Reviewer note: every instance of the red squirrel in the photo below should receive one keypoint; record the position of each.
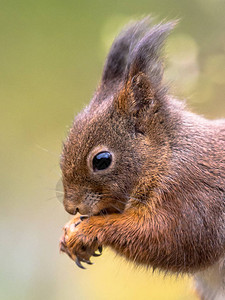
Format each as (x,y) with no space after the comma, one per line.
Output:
(147,175)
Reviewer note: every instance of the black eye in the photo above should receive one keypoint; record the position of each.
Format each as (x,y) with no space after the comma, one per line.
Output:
(102,160)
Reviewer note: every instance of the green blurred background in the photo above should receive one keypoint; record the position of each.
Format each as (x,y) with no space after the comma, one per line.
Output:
(51,56)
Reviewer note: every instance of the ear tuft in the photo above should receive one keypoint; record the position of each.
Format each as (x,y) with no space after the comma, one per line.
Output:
(146,55)
(117,58)
(134,68)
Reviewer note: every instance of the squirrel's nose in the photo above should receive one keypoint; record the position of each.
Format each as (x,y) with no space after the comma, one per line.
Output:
(70,207)
(73,209)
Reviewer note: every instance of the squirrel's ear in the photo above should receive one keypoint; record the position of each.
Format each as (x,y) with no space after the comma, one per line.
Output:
(146,55)
(144,72)
(136,95)
(116,61)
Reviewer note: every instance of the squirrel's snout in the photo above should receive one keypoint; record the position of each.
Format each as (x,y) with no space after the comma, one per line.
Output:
(73,208)
(70,206)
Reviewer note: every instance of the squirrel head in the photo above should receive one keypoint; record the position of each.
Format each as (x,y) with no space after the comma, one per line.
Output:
(122,136)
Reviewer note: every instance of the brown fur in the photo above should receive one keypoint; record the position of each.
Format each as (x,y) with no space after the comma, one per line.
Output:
(162,201)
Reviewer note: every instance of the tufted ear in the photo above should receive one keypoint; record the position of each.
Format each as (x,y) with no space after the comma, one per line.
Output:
(136,95)
(116,61)
(145,57)
(144,71)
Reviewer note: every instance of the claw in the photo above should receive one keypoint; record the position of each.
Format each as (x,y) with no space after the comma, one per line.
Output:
(96,254)
(87,261)
(100,252)
(77,223)
(82,218)
(77,261)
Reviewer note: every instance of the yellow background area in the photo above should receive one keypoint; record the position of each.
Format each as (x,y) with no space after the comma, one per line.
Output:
(51,57)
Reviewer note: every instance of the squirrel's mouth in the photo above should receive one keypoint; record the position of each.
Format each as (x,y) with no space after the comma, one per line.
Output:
(102,212)
(107,211)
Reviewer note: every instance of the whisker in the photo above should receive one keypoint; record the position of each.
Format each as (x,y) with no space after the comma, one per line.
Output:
(103,215)
(54,190)
(60,192)
(46,150)
(139,200)
(130,197)
(122,202)
(125,196)
(54,197)
(119,210)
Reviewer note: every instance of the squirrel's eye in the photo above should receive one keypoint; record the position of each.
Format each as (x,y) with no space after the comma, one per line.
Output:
(102,160)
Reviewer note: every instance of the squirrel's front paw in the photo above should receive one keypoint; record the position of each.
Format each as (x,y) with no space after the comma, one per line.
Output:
(77,243)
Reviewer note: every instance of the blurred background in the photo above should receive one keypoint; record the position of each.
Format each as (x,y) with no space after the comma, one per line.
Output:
(51,57)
